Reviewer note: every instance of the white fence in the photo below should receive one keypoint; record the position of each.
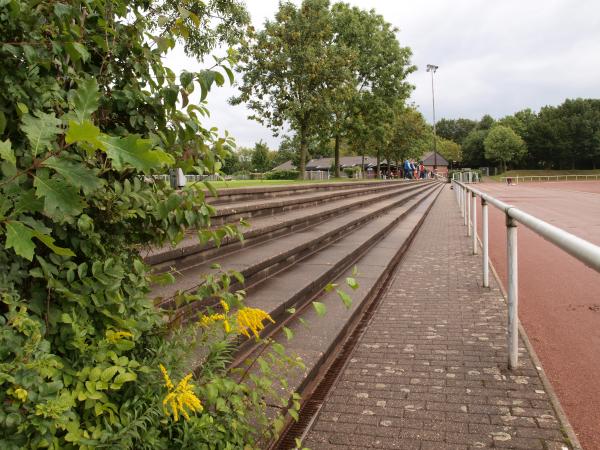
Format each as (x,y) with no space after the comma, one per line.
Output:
(466,177)
(541,178)
(584,251)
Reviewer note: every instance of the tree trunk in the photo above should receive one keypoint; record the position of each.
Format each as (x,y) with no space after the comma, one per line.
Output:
(303,153)
(337,156)
(379,164)
(362,165)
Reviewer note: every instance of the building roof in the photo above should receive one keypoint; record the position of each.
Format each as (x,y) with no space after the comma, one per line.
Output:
(428,159)
(288,165)
(326,163)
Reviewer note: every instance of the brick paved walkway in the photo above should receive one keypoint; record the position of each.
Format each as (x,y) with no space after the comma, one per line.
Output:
(429,371)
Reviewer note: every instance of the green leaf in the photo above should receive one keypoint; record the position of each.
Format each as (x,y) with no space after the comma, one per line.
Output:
(289,334)
(351,282)
(85,99)
(345,298)
(330,287)
(77,51)
(320,308)
(125,377)
(84,132)
(19,237)
(7,153)
(135,152)
(291,310)
(355,271)
(76,174)
(229,73)
(59,198)
(294,414)
(108,373)
(41,130)
(49,242)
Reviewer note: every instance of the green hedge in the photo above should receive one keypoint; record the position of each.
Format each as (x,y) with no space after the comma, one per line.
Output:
(351,171)
(282,175)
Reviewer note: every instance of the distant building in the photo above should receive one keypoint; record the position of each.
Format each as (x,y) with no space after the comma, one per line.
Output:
(288,165)
(441,163)
(326,164)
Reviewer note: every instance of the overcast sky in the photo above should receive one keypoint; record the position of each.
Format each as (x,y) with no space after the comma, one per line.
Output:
(494,57)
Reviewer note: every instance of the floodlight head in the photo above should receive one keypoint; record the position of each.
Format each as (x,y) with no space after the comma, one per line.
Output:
(431,68)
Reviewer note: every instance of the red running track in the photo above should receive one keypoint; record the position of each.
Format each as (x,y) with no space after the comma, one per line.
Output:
(559,297)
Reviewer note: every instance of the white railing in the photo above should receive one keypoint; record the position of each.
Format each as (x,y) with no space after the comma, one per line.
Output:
(540,178)
(584,251)
(466,177)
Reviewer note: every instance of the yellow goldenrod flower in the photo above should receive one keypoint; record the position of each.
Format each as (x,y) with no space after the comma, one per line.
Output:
(205,320)
(180,398)
(168,382)
(251,319)
(225,306)
(114,336)
(226,326)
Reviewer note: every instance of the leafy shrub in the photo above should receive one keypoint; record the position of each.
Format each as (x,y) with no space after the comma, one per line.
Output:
(351,172)
(88,113)
(282,175)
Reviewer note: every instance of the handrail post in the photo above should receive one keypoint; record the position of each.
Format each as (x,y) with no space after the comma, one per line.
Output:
(485,241)
(465,205)
(474,223)
(513,293)
(468,216)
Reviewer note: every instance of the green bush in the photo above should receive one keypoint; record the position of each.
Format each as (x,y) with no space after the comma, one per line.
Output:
(351,172)
(88,113)
(282,175)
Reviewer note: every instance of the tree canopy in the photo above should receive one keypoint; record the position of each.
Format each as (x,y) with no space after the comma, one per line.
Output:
(503,144)
(335,72)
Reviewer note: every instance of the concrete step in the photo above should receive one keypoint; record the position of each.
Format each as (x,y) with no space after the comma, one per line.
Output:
(232,212)
(299,283)
(261,261)
(317,339)
(190,252)
(230,195)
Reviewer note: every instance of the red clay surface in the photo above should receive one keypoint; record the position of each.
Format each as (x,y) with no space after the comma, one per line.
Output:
(559,297)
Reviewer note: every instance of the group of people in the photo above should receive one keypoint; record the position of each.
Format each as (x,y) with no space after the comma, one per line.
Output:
(413,170)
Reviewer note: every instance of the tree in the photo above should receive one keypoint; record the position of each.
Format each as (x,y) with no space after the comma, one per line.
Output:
(408,133)
(455,129)
(260,157)
(503,144)
(289,69)
(486,123)
(473,149)
(449,149)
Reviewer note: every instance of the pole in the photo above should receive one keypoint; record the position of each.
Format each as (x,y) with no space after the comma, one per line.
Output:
(465,205)
(474,223)
(485,241)
(434,130)
(468,216)
(513,293)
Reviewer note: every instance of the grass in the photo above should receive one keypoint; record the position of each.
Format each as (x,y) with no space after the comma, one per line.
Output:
(246,183)
(528,173)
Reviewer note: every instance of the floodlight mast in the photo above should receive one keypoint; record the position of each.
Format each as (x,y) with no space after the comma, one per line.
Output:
(432,68)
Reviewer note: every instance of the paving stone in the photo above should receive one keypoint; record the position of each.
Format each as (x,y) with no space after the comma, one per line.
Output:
(435,354)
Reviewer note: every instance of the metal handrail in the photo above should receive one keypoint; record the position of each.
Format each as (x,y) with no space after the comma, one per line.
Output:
(579,248)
